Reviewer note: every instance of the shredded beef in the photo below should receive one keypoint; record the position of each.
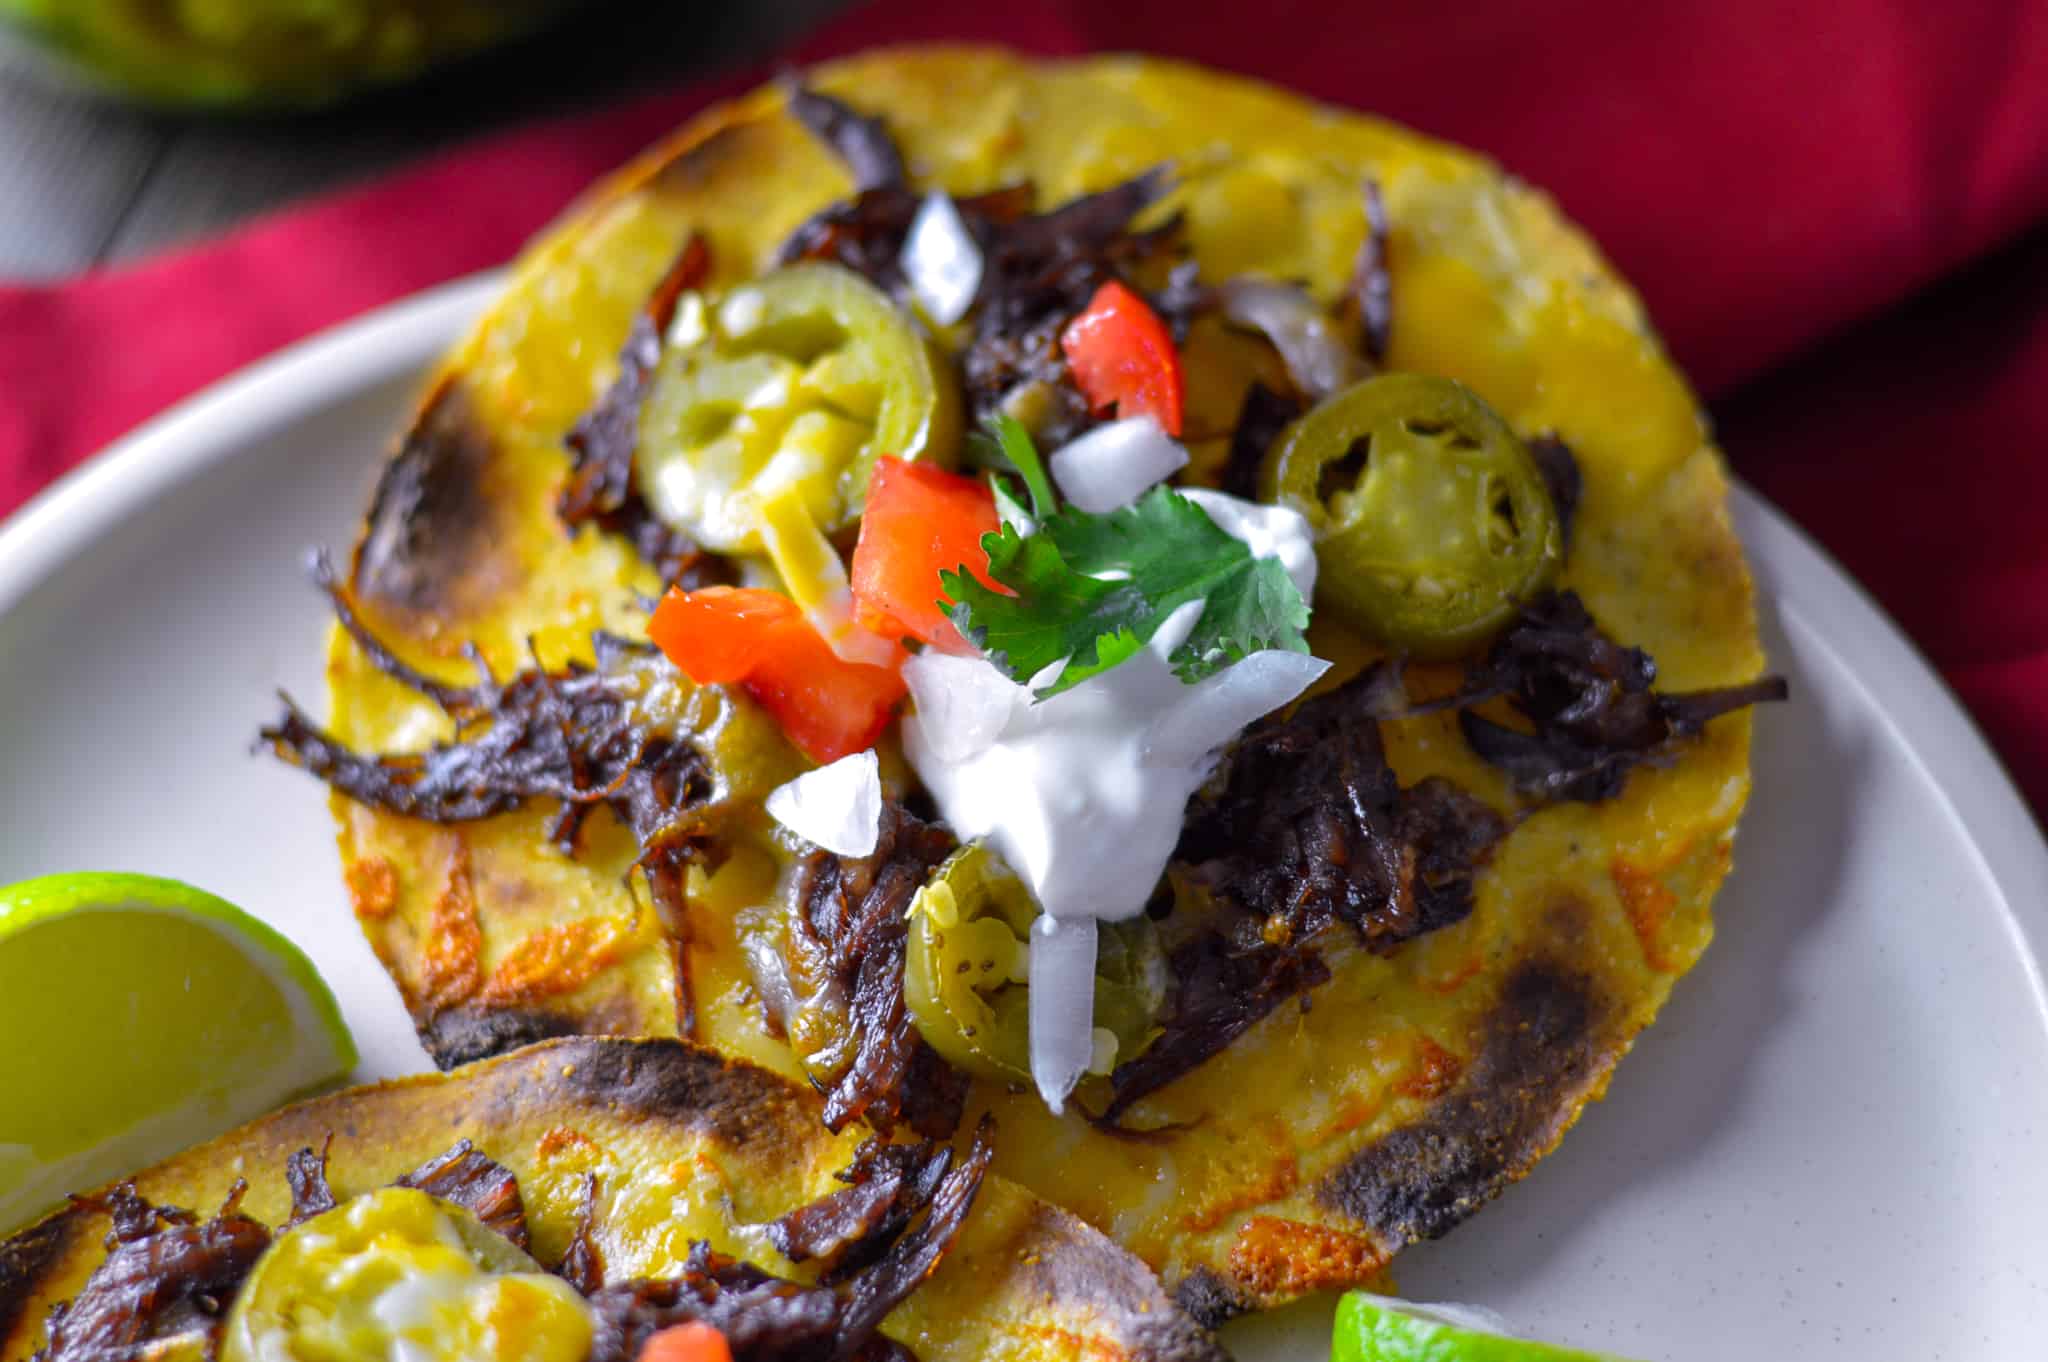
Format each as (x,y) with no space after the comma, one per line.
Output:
(1260,420)
(1304,827)
(1308,826)
(1040,270)
(1593,714)
(848,939)
(600,489)
(582,1264)
(573,735)
(863,143)
(1219,989)
(306,1172)
(1372,286)
(1560,470)
(866,232)
(768,1320)
(472,1180)
(886,1185)
(165,1274)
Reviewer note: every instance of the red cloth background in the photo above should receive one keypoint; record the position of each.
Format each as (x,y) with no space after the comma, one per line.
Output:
(1838,213)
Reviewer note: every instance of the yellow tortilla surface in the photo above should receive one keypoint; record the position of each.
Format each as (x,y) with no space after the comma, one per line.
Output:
(684,1146)
(1410,1089)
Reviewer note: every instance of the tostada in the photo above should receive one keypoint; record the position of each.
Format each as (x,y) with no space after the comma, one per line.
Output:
(1095,590)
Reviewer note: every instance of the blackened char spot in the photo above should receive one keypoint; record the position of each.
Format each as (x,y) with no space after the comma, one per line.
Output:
(730,1103)
(431,519)
(1545,1046)
(863,143)
(462,1035)
(1208,1299)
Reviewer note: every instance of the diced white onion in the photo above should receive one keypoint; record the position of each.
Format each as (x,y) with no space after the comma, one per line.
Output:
(837,807)
(1114,465)
(941,260)
(1268,531)
(962,703)
(1062,1005)
(770,974)
(1315,354)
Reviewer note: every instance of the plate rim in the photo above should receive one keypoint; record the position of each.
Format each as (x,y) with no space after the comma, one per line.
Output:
(1895,678)
(49,528)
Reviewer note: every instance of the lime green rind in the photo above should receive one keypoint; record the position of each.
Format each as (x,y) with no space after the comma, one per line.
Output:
(24,903)
(73,1136)
(1376,1329)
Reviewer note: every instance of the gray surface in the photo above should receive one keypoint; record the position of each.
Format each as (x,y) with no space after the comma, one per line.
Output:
(84,182)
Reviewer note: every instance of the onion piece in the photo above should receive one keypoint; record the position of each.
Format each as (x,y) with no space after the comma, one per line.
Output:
(941,260)
(1062,1006)
(1219,707)
(1115,464)
(837,807)
(770,974)
(1268,531)
(1316,356)
(962,703)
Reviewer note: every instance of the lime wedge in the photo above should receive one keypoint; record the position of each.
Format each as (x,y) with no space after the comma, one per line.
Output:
(1378,1329)
(141,1015)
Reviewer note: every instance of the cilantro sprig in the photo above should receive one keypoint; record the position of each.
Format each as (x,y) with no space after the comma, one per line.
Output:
(1094,588)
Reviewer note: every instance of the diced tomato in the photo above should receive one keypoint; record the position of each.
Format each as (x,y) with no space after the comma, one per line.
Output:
(1122,356)
(715,635)
(692,1342)
(920,521)
(828,706)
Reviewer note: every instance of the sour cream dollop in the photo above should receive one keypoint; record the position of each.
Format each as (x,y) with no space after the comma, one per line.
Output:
(1083,794)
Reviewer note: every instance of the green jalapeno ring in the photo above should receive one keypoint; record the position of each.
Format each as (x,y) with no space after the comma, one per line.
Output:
(964,970)
(794,382)
(1432,520)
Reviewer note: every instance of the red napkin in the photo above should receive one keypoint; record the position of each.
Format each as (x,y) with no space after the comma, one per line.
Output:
(1827,207)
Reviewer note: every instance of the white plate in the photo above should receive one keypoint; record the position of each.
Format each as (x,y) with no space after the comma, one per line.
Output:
(1830,1147)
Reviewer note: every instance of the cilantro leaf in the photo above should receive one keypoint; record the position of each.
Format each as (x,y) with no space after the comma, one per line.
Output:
(1093,589)
(1003,445)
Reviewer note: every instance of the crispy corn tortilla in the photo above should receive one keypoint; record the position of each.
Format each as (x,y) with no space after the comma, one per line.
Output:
(685,1146)
(1394,1100)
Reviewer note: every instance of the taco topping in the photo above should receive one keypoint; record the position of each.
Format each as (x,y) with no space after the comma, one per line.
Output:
(1098,661)
(1434,519)
(433,1266)
(1589,701)
(168,1273)
(852,1029)
(600,490)
(941,261)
